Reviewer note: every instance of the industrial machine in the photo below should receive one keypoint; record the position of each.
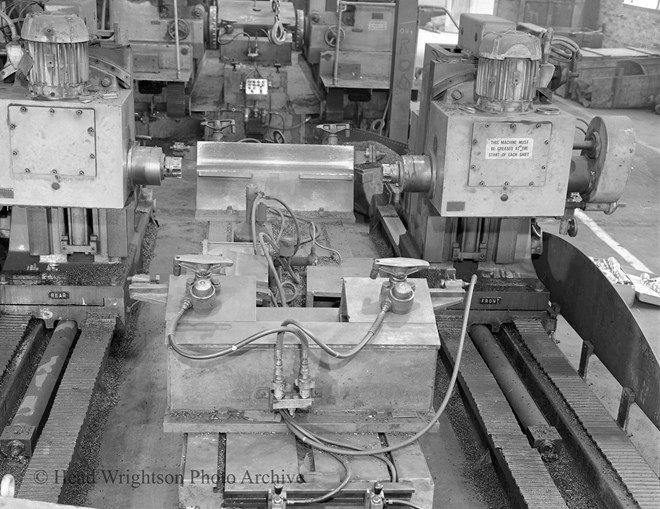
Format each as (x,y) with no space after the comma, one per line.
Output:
(85,112)
(74,212)
(477,201)
(263,86)
(295,378)
(349,47)
(168,40)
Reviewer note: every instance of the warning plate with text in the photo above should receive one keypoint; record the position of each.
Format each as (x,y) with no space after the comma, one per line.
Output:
(509,148)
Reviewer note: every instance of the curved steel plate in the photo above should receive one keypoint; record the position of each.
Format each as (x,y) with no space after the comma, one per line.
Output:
(596,311)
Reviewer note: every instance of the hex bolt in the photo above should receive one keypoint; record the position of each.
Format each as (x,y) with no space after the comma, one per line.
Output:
(78,112)
(27,170)
(54,172)
(81,172)
(55,186)
(12,126)
(51,110)
(474,142)
(538,125)
(106,82)
(23,109)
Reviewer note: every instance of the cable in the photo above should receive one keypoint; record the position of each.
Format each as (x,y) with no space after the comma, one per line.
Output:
(187,304)
(442,9)
(220,43)
(271,266)
(11,25)
(293,216)
(249,140)
(583,121)
(394,475)
(392,501)
(438,414)
(330,494)
(281,214)
(373,330)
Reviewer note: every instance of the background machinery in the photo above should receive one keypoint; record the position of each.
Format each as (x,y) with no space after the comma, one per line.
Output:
(323,372)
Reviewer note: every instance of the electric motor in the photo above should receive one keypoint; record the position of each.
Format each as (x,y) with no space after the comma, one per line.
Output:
(59,47)
(508,72)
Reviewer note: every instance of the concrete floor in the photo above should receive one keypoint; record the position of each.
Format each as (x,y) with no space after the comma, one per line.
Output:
(134,437)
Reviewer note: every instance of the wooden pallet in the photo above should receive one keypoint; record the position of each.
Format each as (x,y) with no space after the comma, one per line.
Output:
(238,470)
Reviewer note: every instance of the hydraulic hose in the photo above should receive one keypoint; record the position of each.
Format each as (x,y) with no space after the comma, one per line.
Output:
(293,427)
(373,330)
(289,325)
(404,503)
(317,500)
(12,27)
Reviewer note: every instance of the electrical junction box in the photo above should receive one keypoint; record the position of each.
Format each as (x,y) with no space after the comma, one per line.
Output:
(474,26)
(499,165)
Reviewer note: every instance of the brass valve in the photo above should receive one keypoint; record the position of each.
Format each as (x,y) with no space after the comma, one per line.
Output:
(397,291)
(205,285)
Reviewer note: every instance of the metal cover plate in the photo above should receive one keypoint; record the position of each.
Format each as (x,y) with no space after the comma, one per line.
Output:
(71,130)
(509,154)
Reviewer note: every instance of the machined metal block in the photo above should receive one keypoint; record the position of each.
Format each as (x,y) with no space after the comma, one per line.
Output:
(65,153)
(511,165)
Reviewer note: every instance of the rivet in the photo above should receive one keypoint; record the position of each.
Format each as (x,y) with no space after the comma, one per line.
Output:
(504,197)
(78,112)
(27,170)
(90,130)
(54,172)
(92,156)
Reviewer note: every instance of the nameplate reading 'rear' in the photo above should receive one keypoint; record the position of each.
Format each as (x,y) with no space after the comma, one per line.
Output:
(58,295)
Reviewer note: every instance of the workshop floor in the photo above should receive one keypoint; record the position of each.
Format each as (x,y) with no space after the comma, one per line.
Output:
(134,440)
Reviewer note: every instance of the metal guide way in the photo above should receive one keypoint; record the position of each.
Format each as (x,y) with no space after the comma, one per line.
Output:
(12,329)
(58,442)
(528,480)
(638,477)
